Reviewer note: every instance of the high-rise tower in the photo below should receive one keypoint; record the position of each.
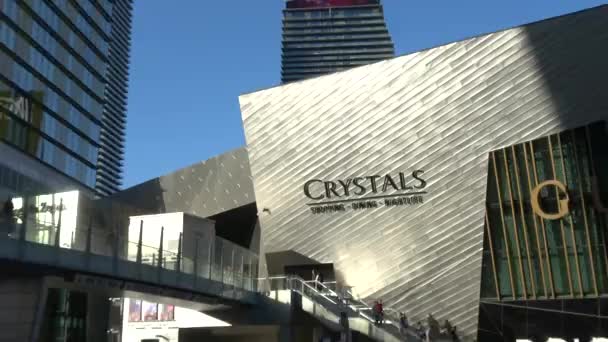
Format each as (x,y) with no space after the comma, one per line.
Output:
(325,36)
(113,123)
(63,79)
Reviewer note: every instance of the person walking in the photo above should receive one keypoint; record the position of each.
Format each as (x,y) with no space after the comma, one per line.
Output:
(345,335)
(433,331)
(320,280)
(454,334)
(447,328)
(346,297)
(376,309)
(420,331)
(380,311)
(403,323)
(8,215)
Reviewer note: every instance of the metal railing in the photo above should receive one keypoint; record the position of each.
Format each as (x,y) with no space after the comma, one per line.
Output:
(207,257)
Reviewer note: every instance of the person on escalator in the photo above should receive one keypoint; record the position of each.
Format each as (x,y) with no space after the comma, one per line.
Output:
(345,335)
(378,312)
(320,282)
(454,333)
(421,331)
(447,328)
(403,323)
(433,329)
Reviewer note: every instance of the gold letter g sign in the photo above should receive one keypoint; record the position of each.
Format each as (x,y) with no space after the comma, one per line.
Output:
(563,203)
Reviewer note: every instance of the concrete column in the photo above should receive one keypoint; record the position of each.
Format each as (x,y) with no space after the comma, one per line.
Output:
(98,313)
(22,310)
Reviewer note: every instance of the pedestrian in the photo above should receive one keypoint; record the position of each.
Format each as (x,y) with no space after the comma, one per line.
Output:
(447,327)
(320,280)
(345,335)
(8,215)
(433,331)
(455,337)
(345,295)
(420,331)
(376,309)
(343,320)
(403,323)
(380,311)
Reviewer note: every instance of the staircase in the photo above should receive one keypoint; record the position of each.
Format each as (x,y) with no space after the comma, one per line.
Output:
(326,305)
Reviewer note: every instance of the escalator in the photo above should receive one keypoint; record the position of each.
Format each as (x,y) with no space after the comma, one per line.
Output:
(327,306)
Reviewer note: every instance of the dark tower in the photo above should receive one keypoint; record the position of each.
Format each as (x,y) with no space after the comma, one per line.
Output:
(113,123)
(325,36)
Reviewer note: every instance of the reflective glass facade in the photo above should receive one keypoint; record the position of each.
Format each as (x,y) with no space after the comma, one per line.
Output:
(545,231)
(54,65)
(545,254)
(332,36)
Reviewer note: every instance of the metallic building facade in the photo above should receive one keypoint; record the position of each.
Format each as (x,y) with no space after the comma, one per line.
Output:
(219,188)
(211,187)
(62,80)
(322,152)
(113,123)
(321,37)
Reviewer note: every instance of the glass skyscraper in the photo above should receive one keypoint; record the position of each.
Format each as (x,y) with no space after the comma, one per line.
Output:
(63,75)
(325,36)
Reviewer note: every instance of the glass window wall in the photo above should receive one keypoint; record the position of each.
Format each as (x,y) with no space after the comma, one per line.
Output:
(60,29)
(28,83)
(545,223)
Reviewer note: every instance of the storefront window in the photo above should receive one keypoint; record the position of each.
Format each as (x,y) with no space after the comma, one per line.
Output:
(545,232)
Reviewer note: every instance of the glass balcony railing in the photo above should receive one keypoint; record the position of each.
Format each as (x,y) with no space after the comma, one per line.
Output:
(211,258)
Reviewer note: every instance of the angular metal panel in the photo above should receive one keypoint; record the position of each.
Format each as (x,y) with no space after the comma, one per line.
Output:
(440,110)
(204,189)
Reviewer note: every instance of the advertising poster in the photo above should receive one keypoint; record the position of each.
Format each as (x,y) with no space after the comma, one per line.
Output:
(150,311)
(167,312)
(134,310)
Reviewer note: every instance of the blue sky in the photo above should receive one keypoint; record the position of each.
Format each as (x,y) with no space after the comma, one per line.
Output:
(191,59)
